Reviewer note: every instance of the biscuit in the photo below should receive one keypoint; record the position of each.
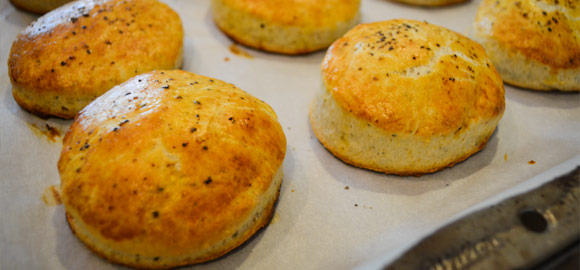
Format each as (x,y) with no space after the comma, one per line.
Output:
(288,27)
(430,2)
(171,168)
(73,54)
(534,44)
(38,6)
(406,97)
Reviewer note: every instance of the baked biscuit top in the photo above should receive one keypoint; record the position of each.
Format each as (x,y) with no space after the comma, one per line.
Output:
(547,31)
(412,77)
(92,45)
(179,158)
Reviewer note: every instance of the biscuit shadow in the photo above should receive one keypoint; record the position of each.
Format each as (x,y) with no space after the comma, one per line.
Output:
(358,178)
(547,99)
(226,41)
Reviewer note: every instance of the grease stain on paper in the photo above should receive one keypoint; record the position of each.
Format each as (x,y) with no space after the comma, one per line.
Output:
(50,132)
(275,219)
(239,52)
(51,196)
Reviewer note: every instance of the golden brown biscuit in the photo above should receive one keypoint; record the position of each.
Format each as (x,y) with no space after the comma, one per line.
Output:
(289,27)
(406,97)
(38,6)
(533,43)
(430,2)
(73,54)
(171,168)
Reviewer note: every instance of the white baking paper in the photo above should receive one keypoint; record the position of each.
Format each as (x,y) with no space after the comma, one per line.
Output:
(329,215)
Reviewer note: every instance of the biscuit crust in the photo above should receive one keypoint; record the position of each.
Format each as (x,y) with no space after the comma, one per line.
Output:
(171,168)
(534,44)
(288,27)
(75,53)
(38,6)
(406,97)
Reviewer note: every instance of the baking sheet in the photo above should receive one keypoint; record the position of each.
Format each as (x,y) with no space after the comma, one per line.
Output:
(329,215)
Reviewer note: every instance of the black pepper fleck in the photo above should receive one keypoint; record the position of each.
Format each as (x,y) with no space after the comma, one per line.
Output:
(207,181)
(86,146)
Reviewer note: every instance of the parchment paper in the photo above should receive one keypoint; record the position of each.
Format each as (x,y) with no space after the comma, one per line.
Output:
(319,222)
